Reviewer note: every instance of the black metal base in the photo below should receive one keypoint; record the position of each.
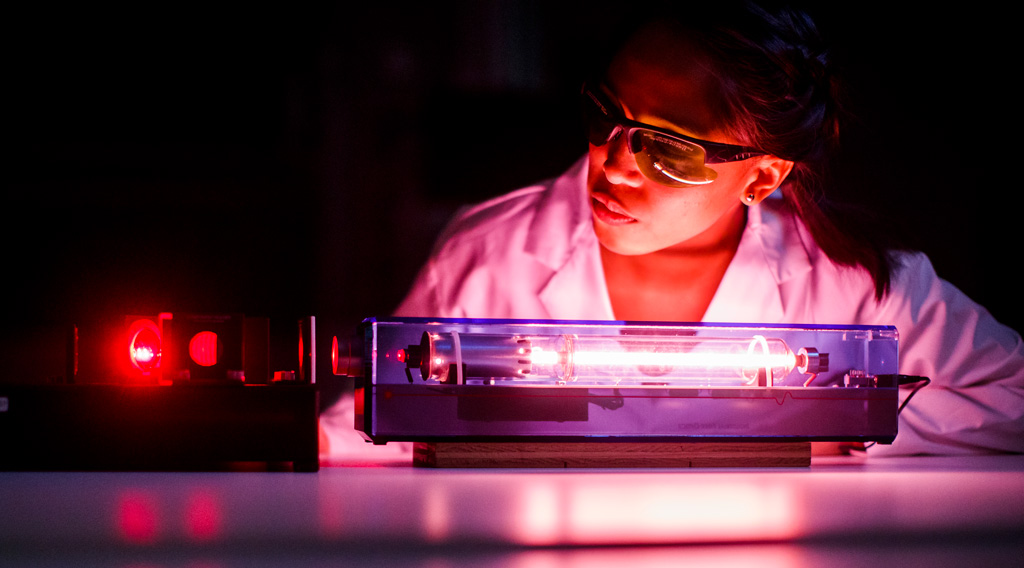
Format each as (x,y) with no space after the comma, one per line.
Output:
(175,428)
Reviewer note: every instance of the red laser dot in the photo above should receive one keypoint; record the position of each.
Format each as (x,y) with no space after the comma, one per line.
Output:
(203,348)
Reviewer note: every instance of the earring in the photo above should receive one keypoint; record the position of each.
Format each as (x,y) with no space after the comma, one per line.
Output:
(749,198)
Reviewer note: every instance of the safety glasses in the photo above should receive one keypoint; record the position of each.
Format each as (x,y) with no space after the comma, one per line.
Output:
(663,156)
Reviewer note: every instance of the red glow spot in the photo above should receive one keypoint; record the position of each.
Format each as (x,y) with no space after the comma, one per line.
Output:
(334,355)
(401,356)
(137,518)
(203,348)
(144,345)
(203,516)
(359,406)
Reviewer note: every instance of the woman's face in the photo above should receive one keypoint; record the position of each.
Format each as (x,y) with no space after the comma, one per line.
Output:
(656,82)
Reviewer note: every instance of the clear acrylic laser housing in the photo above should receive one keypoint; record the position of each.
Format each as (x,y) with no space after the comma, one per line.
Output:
(446,379)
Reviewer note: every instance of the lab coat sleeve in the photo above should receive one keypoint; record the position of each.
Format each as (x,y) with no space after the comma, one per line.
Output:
(432,295)
(975,402)
(422,299)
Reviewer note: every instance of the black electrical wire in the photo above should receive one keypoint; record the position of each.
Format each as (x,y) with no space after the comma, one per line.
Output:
(902,380)
(909,380)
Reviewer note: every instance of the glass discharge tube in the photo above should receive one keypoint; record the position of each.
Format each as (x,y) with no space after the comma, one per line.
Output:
(620,360)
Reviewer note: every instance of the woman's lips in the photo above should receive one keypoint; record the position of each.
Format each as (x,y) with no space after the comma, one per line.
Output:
(607,210)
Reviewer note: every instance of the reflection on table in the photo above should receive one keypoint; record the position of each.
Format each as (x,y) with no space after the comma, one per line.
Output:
(378,504)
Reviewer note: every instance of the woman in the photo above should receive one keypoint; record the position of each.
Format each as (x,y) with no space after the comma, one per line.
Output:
(700,199)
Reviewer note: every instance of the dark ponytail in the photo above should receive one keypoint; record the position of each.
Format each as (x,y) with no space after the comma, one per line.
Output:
(784,97)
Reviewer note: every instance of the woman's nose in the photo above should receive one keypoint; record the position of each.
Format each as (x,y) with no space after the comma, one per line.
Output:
(620,165)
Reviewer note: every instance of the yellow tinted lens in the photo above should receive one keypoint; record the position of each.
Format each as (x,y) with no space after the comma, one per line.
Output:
(671,161)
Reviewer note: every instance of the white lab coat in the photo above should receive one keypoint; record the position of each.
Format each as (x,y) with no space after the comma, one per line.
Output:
(533,254)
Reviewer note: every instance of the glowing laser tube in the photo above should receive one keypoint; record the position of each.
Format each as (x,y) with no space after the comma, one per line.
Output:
(621,360)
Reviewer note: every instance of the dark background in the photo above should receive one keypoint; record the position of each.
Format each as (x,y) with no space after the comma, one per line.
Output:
(288,161)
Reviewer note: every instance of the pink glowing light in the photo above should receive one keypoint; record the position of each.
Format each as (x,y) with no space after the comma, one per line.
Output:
(138,518)
(203,518)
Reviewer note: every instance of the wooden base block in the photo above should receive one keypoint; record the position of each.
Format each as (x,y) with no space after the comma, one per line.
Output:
(612,454)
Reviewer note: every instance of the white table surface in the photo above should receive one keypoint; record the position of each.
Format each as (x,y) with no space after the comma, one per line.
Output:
(929,511)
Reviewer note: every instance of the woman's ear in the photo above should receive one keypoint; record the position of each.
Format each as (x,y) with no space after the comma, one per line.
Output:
(769,174)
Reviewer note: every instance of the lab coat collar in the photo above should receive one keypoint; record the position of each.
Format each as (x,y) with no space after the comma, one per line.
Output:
(772,252)
(576,288)
(562,208)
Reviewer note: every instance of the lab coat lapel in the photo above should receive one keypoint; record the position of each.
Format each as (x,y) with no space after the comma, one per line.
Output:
(769,255)
(576,288)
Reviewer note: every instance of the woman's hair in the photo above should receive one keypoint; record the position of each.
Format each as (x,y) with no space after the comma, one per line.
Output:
(780,94)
